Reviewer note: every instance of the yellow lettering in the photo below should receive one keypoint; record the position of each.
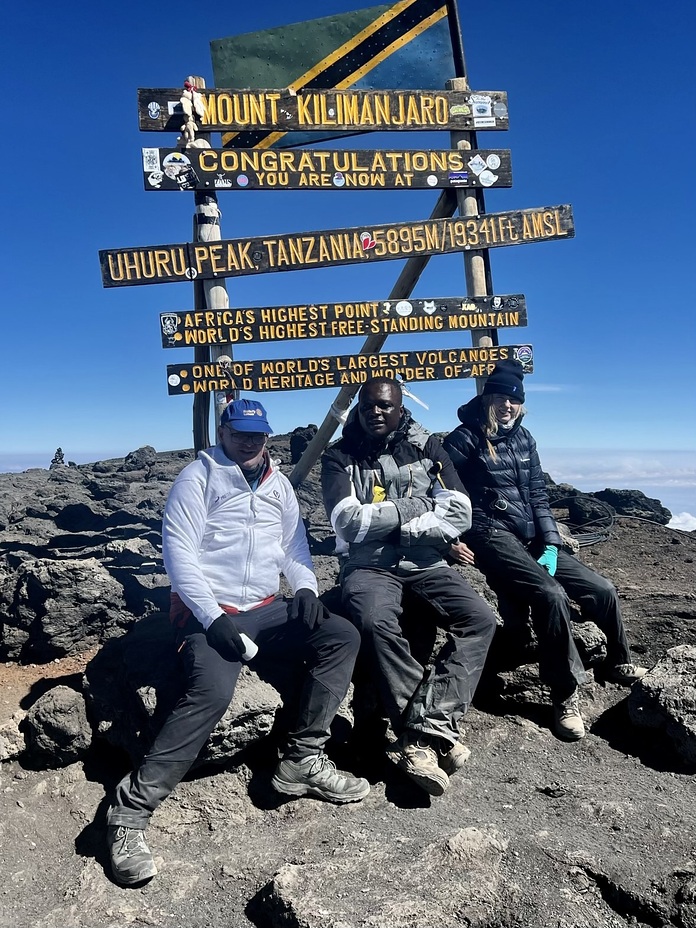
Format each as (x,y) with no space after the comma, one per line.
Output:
(412,113)
(296,255)
(113,273)
(367,117)
(303,114)
(200,253)
(382,114)
(350,115)
(216,261)
(207,159)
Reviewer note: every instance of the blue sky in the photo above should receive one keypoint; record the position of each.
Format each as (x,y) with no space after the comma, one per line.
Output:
(601,117)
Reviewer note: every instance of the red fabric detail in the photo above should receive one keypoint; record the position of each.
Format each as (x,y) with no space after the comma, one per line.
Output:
(230,610)
(179,612)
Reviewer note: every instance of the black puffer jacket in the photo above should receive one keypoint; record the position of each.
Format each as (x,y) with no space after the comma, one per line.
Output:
(507,491)
(394,504)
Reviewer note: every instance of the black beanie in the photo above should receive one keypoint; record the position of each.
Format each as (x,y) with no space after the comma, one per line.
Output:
(506,380)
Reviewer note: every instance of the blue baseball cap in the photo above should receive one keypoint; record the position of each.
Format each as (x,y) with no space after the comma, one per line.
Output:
(246,416)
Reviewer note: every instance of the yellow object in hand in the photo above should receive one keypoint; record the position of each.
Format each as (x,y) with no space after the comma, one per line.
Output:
(379,494)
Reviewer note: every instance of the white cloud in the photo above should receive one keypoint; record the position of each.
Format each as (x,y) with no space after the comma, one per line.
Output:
(669,476)
(546,387)
(684,521)
(657,468)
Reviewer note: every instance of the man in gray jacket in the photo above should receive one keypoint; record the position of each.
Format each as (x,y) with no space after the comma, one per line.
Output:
(231,526)
(396,505)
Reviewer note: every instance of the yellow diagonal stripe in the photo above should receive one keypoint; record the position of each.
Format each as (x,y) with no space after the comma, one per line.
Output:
(394,47)
(347,47)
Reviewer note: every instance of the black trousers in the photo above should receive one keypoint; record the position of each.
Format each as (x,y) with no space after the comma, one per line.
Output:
(328,654)
(511,569)
(433,705)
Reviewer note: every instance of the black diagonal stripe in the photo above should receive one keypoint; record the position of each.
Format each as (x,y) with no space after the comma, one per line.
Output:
(371,46)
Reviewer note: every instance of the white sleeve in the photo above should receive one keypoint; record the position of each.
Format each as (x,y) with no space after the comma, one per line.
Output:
(183,527)
(298,567)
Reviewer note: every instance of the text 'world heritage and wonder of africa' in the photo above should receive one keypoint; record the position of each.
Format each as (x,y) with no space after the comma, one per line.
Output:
(339,370)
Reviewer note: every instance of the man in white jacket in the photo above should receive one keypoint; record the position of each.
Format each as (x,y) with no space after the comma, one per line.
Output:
(231,526)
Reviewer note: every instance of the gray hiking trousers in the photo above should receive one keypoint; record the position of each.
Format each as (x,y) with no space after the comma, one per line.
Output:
(433,703)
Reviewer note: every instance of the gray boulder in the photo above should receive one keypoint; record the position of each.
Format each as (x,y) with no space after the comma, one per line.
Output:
(665,699)
(461,872)
(139,459)
(52,608)
(57,730)
(56,524)
(134,681)
(636,504)
(12,742)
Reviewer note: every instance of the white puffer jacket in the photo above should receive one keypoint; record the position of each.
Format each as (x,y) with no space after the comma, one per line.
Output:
(224,543)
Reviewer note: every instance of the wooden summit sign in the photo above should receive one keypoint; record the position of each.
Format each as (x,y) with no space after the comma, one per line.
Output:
(127,267)
(308,373)
(340,320)
(159,110)
(312,169)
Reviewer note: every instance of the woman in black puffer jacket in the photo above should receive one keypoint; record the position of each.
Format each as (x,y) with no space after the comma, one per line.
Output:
(514,540)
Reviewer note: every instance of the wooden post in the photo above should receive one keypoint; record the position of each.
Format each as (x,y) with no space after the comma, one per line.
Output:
(471,202)
(214,296)
(201,355)
(402,289)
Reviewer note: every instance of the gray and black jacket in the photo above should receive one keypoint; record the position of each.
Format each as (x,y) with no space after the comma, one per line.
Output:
(395,504)
(507,491)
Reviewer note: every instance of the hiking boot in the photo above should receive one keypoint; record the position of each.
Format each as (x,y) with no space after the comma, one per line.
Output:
(625,674)
(316,775)
(567,721)
(131,860)
(414,754)
(452,757)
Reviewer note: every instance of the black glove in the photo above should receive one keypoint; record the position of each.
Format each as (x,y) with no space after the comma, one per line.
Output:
(224,637)
(308,607)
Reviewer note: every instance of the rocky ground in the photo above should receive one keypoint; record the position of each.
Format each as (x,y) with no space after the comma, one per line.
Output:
(533,832)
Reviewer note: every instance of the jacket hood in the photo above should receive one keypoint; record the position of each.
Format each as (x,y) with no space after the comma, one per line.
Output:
(469,414)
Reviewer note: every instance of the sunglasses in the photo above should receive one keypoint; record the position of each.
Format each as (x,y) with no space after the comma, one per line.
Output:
(252,438)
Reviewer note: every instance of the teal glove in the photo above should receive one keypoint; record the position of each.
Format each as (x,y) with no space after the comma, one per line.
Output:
(549,559)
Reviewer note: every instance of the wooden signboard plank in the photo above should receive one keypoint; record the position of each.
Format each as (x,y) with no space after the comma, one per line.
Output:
(159,110)
(248,325)
(127,267)
(311,373)
(312,169)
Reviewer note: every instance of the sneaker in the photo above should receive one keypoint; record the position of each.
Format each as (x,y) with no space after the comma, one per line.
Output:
(316,775)
(452,757)
(567,721)
(414,754)
(131,859)
(626,674)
